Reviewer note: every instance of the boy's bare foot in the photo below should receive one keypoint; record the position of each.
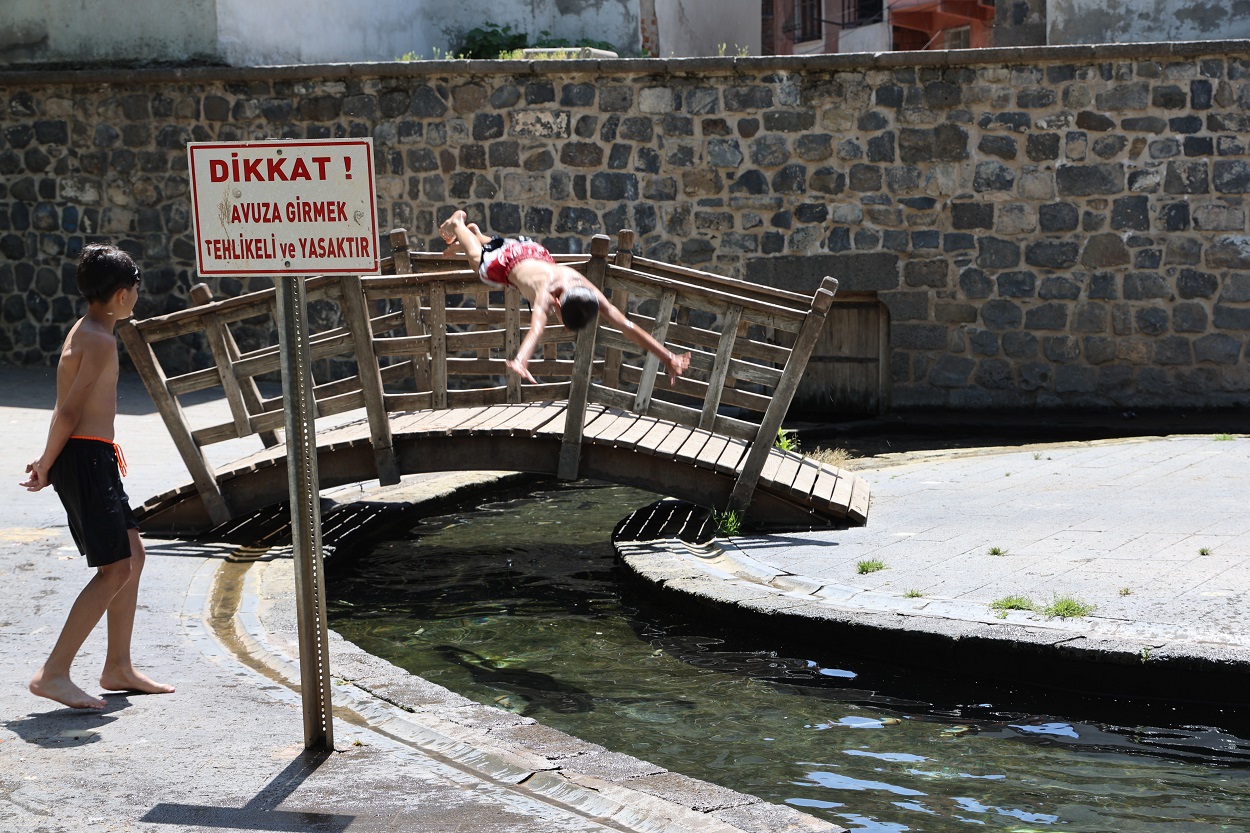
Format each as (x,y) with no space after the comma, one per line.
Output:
(448,229)
(132,680)
(63,691)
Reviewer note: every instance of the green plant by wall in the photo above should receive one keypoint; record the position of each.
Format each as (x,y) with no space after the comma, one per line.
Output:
(490,40)
(728,522)
(786,440)
(493,41)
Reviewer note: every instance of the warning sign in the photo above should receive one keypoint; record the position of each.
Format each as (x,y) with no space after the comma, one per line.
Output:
(273,207)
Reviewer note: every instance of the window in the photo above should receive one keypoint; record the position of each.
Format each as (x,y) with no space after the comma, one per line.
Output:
(807,14)
(861,12)
(958,37)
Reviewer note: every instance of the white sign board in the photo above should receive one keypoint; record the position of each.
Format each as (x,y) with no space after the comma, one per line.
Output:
(303,207)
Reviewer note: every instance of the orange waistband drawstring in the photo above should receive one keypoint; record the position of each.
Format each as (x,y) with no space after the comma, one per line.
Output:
(121,458)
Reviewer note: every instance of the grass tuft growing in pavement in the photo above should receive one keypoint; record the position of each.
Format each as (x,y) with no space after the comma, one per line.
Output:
(1067,607)
(872,565)
(1013,602)
(913,594)
(997,551)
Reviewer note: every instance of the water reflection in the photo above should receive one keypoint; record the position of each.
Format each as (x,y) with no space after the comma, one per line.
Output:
(519,605)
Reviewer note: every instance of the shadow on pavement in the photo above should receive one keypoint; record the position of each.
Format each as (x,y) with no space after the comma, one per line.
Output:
(261,813)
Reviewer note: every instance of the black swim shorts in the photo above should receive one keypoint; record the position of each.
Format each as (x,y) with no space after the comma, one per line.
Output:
(86,478)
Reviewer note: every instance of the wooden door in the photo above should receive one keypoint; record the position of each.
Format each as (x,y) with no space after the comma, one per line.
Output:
(848,373)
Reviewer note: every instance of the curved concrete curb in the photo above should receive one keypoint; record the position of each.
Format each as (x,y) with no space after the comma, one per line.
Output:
(669,546)
(490,742)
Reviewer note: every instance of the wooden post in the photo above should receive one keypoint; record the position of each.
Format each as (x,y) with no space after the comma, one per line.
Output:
(370,376)
(620,299)
(438,344)
(399,251)
(744,488)
(224,344)
(401,259)
(583,362)
(512,338)
(171,412)
(720,368)
(642,399)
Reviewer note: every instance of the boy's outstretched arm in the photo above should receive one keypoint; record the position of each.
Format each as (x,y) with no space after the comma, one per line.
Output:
(538,322)
(675,364)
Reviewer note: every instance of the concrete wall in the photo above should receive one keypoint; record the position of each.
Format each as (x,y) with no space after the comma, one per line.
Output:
(50,31)
(251,33)
(1145,21)
(1020,22)
(254,33)
(1047,227)
(875,37)
(698,28)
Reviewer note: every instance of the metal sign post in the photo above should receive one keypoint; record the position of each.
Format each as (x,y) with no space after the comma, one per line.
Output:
(301,464)
(290,209)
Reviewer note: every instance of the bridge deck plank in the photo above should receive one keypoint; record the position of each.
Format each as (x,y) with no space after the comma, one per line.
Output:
(657,432)
(840,498)
(827,483)
(492,419)
(607,430)
(805,480)
(779,471)
(636,433)
(534,416)
(689,450)
(857,504)
(672,442)
(729,461)
(597,417)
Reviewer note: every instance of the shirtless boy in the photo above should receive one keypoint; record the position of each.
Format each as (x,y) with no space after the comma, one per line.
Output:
(551,289)
(81,461)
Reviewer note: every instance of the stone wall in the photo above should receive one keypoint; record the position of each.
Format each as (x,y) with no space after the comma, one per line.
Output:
(1046,226)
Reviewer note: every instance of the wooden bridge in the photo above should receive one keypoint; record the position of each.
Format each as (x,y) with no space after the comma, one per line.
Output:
(429,343)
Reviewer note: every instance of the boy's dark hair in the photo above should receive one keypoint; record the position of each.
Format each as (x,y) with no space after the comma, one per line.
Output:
(578,307)
(104,269)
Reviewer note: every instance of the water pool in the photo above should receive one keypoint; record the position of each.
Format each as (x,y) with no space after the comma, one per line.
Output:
(519,603)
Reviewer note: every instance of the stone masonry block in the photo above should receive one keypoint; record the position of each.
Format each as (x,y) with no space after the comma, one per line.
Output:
(1230,252)
(1090,180)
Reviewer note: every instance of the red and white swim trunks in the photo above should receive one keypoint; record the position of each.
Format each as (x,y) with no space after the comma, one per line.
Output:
(500,255)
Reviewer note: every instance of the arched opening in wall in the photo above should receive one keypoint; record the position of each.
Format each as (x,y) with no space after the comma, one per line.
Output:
(848,374)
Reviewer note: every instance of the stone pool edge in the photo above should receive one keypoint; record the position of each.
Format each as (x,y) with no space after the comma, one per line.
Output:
(668,552)
(491,742)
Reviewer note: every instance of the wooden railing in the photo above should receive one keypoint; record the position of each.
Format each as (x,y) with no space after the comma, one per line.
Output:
(427,334)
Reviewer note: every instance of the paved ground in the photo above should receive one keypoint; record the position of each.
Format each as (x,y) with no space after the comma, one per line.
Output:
(226,751)
(1152,532)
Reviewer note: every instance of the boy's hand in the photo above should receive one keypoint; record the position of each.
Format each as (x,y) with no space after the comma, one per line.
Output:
(38,477)
(521,370)
(676,365)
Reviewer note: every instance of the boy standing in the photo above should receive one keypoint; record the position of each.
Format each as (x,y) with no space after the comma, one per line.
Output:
(81,461)
(550,288)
